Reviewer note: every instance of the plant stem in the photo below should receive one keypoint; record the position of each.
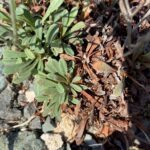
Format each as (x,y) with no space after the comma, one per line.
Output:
(129,34)
(12,6)
(128,9)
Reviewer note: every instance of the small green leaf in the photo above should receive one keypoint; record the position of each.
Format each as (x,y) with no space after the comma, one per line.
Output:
(52,66)
(57,50)
(4,31)
(37,48)
(40,66)
(25,41)
(52,33)
(76,79)
(72,15)
(68,19)
(12,54)
(59,78)
(60,88)
(63,67)
(56,47)
(62,98)
(84,87)
(42,98)
(20,10)
(74,92)
(39,29)
(7,61)
(41,84)
(56,111)
(65,22)
(55,4)
(24,15)
(30,54)
(47,108)
(71,67)
(68,49)
(53,92)
(41,75)
(76,87)
(4,15)
(51,76)
(66,98)
(20,78)
(24,73)
(18,61)
(80,25)
(59,14)
(33,40)
(42,87)
(75,40)
(75,101)
(13,68)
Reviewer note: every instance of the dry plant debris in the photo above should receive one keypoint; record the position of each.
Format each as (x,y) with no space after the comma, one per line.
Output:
(67,126)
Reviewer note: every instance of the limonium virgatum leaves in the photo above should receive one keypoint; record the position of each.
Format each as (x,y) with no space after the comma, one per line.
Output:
(40,40)
(56,87)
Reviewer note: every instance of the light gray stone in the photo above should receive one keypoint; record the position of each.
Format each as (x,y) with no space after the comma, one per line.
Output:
(4,142)
(3,83)
(21,98)
(35,124)
(47,126)
(6,112)
(21,141)
(29,110)
(28,141)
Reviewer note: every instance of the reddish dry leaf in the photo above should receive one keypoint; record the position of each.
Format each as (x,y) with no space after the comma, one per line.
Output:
(119,125)
(102,67)
(109,53)
(86,12)
(77,110)
(89,97)
(94,42)
(91,74)
(119,49)
(36,8)
(18,1)
(80,131)
(105,131)
(87,9)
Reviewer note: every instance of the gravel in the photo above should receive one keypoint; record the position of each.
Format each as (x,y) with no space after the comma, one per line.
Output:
(6,112)
(21,141)
(35,124)
(29,110)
